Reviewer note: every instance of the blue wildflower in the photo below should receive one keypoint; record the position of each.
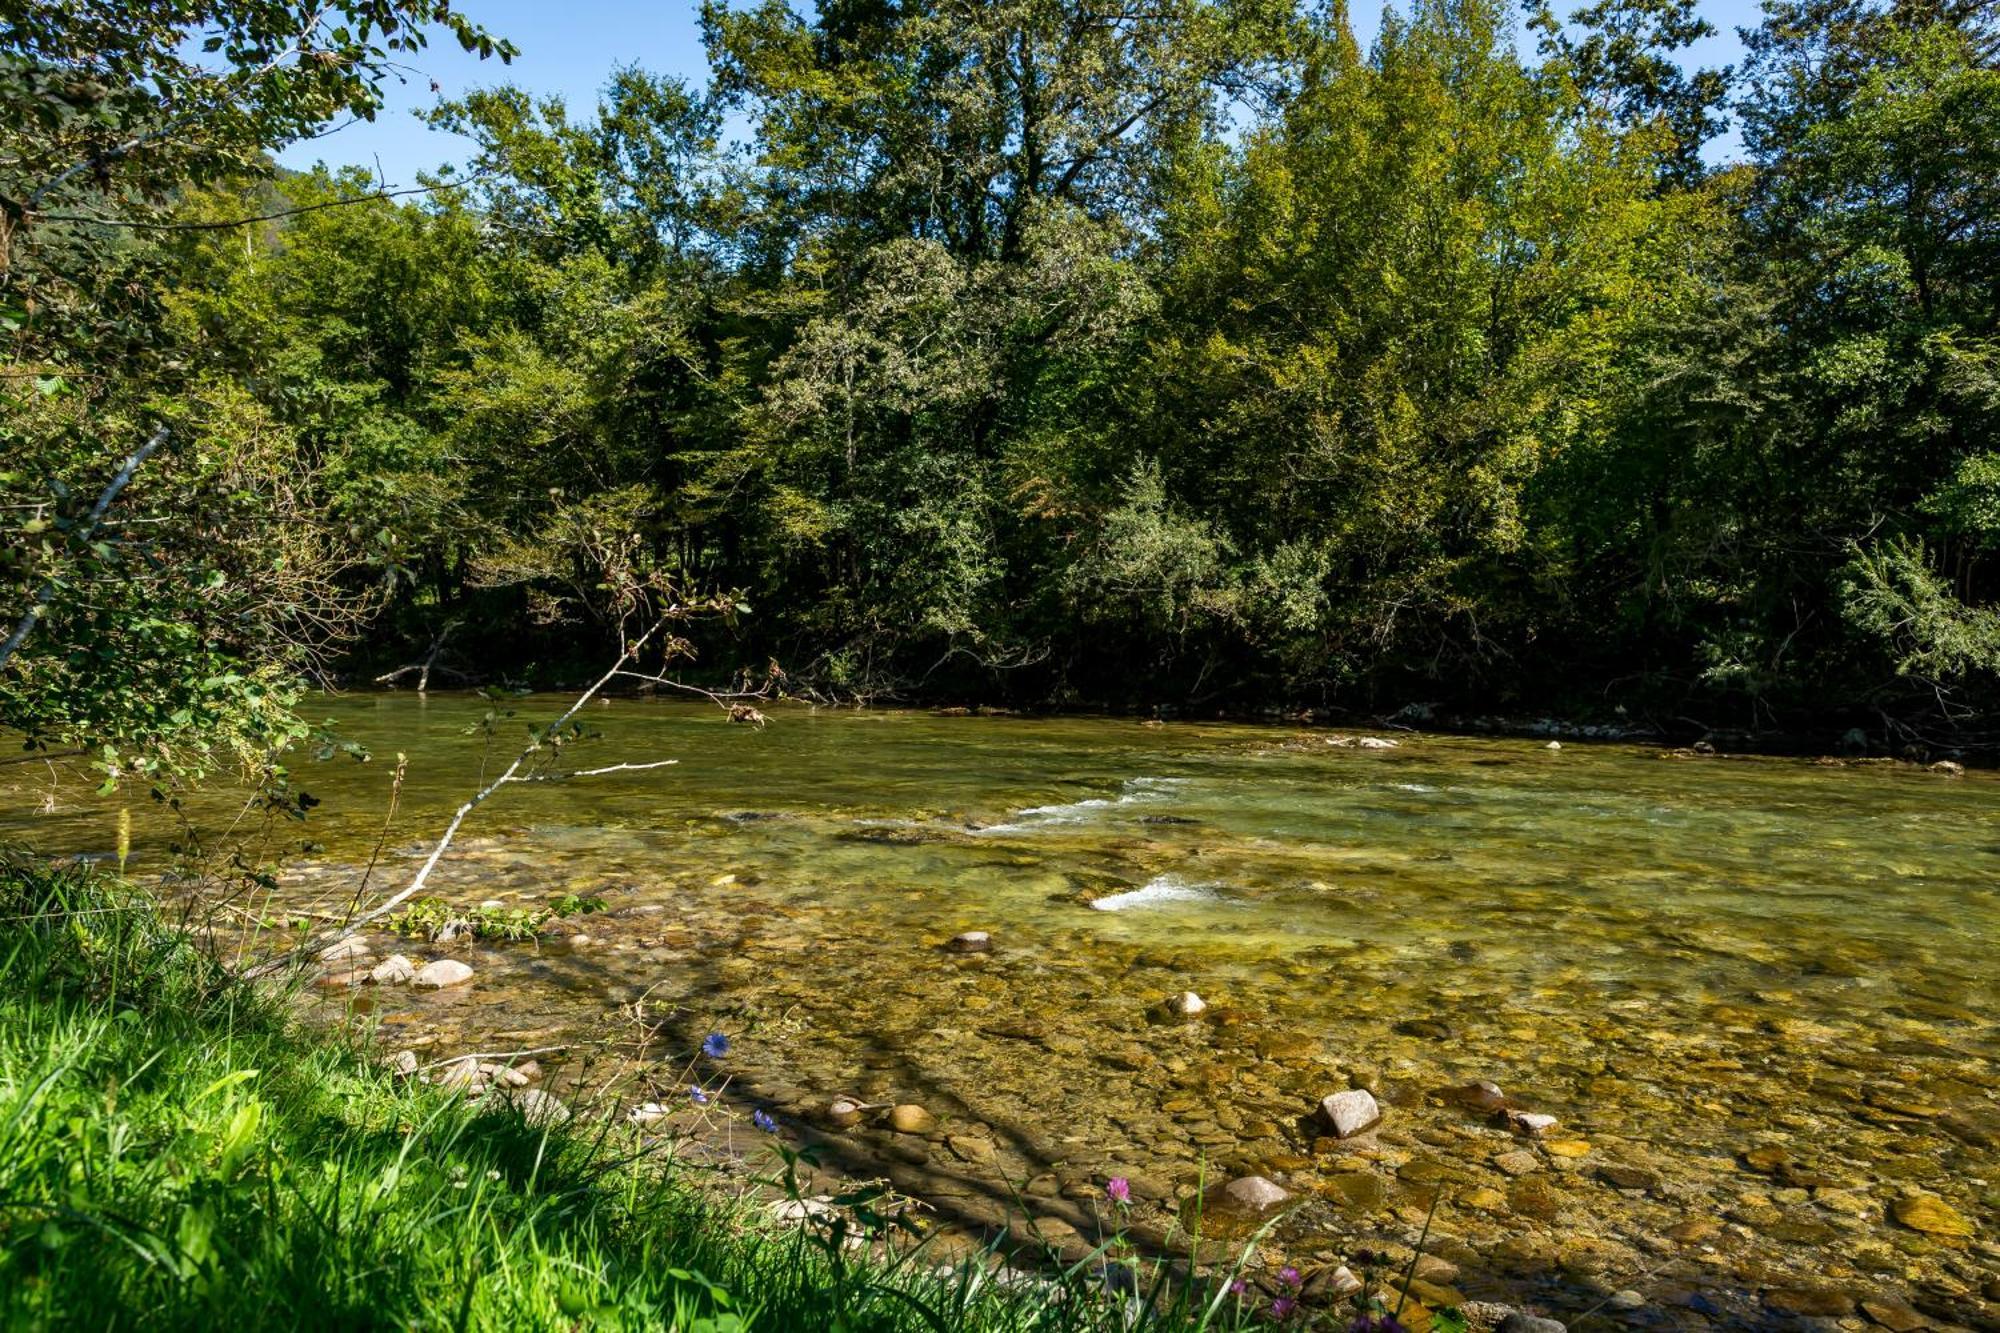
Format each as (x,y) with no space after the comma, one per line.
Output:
(716,1046)
(699,1097)
(762,1120)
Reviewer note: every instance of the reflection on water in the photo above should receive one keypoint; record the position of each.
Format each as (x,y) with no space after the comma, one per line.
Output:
(1757,994)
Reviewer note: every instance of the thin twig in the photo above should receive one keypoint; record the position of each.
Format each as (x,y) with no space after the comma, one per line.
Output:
(595,772)
(142,224)
(491,1056)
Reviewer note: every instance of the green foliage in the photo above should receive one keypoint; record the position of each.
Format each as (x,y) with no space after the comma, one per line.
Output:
(435,919)
(1192,354)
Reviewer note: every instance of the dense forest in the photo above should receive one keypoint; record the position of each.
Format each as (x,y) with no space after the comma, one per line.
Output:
(1027,351)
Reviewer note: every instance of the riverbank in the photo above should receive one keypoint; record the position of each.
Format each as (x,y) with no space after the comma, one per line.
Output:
(175,1151)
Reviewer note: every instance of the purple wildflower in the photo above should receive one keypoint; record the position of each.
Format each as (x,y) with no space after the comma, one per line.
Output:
(1118,1190)
(762,1120)
(1282,1307)
(715,1046)
(699,1097)
(1238,1287)
(1386,1323)
(1290,1277)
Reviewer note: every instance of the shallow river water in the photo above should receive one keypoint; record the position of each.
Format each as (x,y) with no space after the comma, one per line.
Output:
(1758,995)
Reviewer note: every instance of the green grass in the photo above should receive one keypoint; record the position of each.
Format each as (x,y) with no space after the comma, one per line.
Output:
(176,1151)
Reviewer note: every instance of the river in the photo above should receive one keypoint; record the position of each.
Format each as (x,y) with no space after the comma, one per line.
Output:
(1758,995)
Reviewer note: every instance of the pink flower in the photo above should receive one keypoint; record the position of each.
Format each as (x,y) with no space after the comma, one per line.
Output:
(1118,1190)
(1238,1287)
(1290,1276)
(1283,1307)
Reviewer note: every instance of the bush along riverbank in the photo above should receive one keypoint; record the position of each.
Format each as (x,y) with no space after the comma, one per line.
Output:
(176,1151)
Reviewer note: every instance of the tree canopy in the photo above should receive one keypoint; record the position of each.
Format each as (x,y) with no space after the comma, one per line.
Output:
(1187,354)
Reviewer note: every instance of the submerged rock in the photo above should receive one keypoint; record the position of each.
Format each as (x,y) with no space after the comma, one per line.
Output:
(351,947)
(444,972)
(394,970)
(1520,1322)
(1377,743)
(1255,1194)
(1480,1096)
(1349,1113)
(1931,1215)
(1185,1005)
(1430,1029)
(910,1118)
(971,941)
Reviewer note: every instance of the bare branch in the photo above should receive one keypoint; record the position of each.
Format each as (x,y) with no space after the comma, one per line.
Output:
(48,591)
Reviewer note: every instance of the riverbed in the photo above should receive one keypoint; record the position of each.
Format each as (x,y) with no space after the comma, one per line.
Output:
(1757,995)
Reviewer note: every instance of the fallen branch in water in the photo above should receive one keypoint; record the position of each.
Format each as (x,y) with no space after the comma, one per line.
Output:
(425,667)
(542,740)
(596,772)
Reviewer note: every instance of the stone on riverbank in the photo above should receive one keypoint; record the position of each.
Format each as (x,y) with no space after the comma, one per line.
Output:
(538,1107)
(1349,1113)
(441,974)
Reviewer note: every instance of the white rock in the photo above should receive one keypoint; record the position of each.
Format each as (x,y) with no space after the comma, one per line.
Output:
(803,1210)
(538,1107)
(1348,1113)
(402,1064)
(504,1075)
(1553,745)
(971,941)
(347,948)
(647,1113)
(1377,743)
(1534,1122)
(444,972)
(393,971)
(1187,1004)
(1255,1193)
(462,1074)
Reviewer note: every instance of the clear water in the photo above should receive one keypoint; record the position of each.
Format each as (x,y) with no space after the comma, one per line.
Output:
(1682,959)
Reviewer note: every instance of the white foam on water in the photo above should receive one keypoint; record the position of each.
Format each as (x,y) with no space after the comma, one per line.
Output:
(1161,889)
(1137,791)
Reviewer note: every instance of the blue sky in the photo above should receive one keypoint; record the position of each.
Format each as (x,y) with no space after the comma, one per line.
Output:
(569,47)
